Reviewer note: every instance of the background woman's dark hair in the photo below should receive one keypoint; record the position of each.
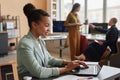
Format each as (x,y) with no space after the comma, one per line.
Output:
(28,8)
(75,6)
(36,16)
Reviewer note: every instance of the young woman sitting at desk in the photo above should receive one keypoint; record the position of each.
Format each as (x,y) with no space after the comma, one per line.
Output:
(32,56)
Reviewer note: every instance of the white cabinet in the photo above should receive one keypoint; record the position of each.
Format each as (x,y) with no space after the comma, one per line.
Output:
(53,8)
(11,24)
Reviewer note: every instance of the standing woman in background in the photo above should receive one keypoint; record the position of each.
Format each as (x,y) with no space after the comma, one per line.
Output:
(72,23)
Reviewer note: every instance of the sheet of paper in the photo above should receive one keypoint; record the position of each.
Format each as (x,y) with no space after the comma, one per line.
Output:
(73,77)
(92,63)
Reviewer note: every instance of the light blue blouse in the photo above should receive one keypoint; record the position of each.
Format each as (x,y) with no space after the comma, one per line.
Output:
(32,59)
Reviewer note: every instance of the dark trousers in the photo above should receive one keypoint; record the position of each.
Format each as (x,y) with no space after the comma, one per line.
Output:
(94,52)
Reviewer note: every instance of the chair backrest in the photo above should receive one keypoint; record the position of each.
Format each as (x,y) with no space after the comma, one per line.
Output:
(117,50)
(112,55)
(83,43)
(117,46)
(105,56)
(8,71)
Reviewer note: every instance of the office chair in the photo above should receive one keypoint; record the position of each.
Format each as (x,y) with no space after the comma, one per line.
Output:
(117,53)
(105,57)
(113,54)
(83,43)
(8,71)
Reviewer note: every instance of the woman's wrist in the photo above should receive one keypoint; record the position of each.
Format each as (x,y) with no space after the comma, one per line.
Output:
(64,70)
(65,62)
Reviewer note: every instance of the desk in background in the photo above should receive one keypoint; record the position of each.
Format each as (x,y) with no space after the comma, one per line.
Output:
(63,36)
(97,37)
(59,37)
(88,36)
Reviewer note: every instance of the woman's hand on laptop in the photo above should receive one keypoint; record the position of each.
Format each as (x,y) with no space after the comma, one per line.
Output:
(81,63)
(75,64)
(70,65)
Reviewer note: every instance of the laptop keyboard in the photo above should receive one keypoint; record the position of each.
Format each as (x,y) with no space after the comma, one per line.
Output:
(91,69)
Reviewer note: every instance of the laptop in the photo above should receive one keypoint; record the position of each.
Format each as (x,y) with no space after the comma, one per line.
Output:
(93,70)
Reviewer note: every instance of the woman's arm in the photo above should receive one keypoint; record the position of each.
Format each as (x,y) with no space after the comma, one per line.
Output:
(70,65)
(66,24)
(29,63)
(70,21)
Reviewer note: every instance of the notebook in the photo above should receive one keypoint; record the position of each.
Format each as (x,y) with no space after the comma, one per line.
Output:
(93,70)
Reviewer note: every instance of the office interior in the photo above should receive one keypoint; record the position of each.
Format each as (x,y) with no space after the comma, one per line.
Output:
(94,11)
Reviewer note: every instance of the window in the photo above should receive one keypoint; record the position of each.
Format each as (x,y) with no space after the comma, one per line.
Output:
(65,8)
(95,10)
(82,9)
(113,10)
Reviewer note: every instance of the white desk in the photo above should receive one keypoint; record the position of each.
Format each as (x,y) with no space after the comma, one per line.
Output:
(106,73)
(56,37)
(109,73)
(63,36)
(97,37)
(88,36)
